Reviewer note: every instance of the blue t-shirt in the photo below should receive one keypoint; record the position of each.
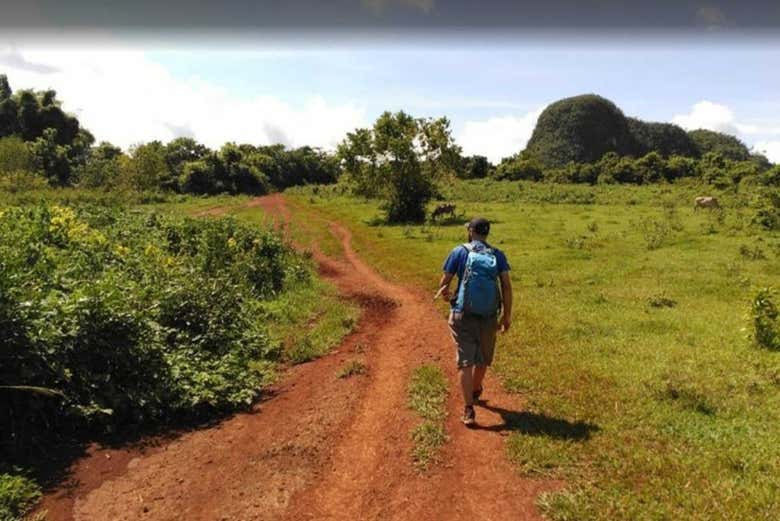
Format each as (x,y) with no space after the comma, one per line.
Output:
(456,262)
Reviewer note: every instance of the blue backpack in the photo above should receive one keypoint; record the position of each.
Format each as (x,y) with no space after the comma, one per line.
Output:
(478,293)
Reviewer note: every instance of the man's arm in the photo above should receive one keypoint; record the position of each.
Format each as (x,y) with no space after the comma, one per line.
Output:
(444,286)
(506,299)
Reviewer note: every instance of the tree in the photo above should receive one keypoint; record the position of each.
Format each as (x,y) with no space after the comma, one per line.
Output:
(727,146)
(5,88)
(664,138)
(50,158)
(27,115)
(650,168)
(8,109)
(177,153)
(580,129)
(399,160)
(475,167)
(231,170)
(518,168)
(147,166)
(105,151)
(238,174)
(678,167)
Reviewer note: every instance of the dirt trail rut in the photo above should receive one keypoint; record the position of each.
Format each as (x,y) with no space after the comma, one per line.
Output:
(321,447)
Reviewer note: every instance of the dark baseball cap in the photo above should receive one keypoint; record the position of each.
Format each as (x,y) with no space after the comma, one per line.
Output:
(479,225)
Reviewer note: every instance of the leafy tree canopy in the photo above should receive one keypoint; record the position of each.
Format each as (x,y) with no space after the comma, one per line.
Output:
(718,142)
(665,138)
(399,159)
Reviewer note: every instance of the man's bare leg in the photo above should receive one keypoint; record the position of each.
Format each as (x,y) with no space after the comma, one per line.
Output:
(479,375)
(467,384)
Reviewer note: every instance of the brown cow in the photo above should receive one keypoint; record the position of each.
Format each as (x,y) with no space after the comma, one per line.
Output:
(711,203)
(443,209)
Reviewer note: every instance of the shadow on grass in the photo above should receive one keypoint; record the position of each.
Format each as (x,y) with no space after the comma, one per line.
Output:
(534,424)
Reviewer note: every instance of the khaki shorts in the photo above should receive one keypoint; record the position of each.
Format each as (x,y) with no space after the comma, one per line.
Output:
(475,339)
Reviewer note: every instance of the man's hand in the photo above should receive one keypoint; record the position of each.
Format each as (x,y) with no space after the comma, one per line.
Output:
(505,323)
(444,286)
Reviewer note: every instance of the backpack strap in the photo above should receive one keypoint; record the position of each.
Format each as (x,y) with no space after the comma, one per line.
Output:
(470,247)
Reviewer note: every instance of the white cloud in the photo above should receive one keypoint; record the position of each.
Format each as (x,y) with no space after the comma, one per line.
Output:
(708,115)
(497,137)
(123,97)
(771,149)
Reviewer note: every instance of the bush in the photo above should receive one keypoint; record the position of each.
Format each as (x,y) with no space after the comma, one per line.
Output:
(131,318)
(655,232)
(767,215)
(17,496)
(764,318)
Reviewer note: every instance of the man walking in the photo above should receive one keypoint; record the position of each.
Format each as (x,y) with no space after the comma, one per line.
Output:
(475,307)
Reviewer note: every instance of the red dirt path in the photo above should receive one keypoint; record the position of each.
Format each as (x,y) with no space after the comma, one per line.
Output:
(322,447)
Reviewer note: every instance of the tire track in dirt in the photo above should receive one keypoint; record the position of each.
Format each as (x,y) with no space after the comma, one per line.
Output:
(322,447)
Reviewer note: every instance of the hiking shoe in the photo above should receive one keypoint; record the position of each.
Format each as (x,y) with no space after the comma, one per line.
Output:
(477,393)
(469,416)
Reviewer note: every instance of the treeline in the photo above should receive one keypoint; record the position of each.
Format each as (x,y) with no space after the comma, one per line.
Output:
(37,137)
(713,168)
(401,159)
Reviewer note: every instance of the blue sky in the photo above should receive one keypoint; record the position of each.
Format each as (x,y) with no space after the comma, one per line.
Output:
(466,83)
(492,91)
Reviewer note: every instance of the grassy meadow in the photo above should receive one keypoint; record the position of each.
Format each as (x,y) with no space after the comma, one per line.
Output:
(631,339)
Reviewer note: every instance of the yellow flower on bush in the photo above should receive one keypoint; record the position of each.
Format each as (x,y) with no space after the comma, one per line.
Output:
(231,243)
(63,220)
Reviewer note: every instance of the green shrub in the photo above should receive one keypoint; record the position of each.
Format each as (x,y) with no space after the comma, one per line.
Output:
(655,232)
(767,214)
(17,495)
(135,318)
(720,143)
(764,318)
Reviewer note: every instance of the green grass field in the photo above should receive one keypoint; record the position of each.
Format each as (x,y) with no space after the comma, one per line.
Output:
(631,337)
